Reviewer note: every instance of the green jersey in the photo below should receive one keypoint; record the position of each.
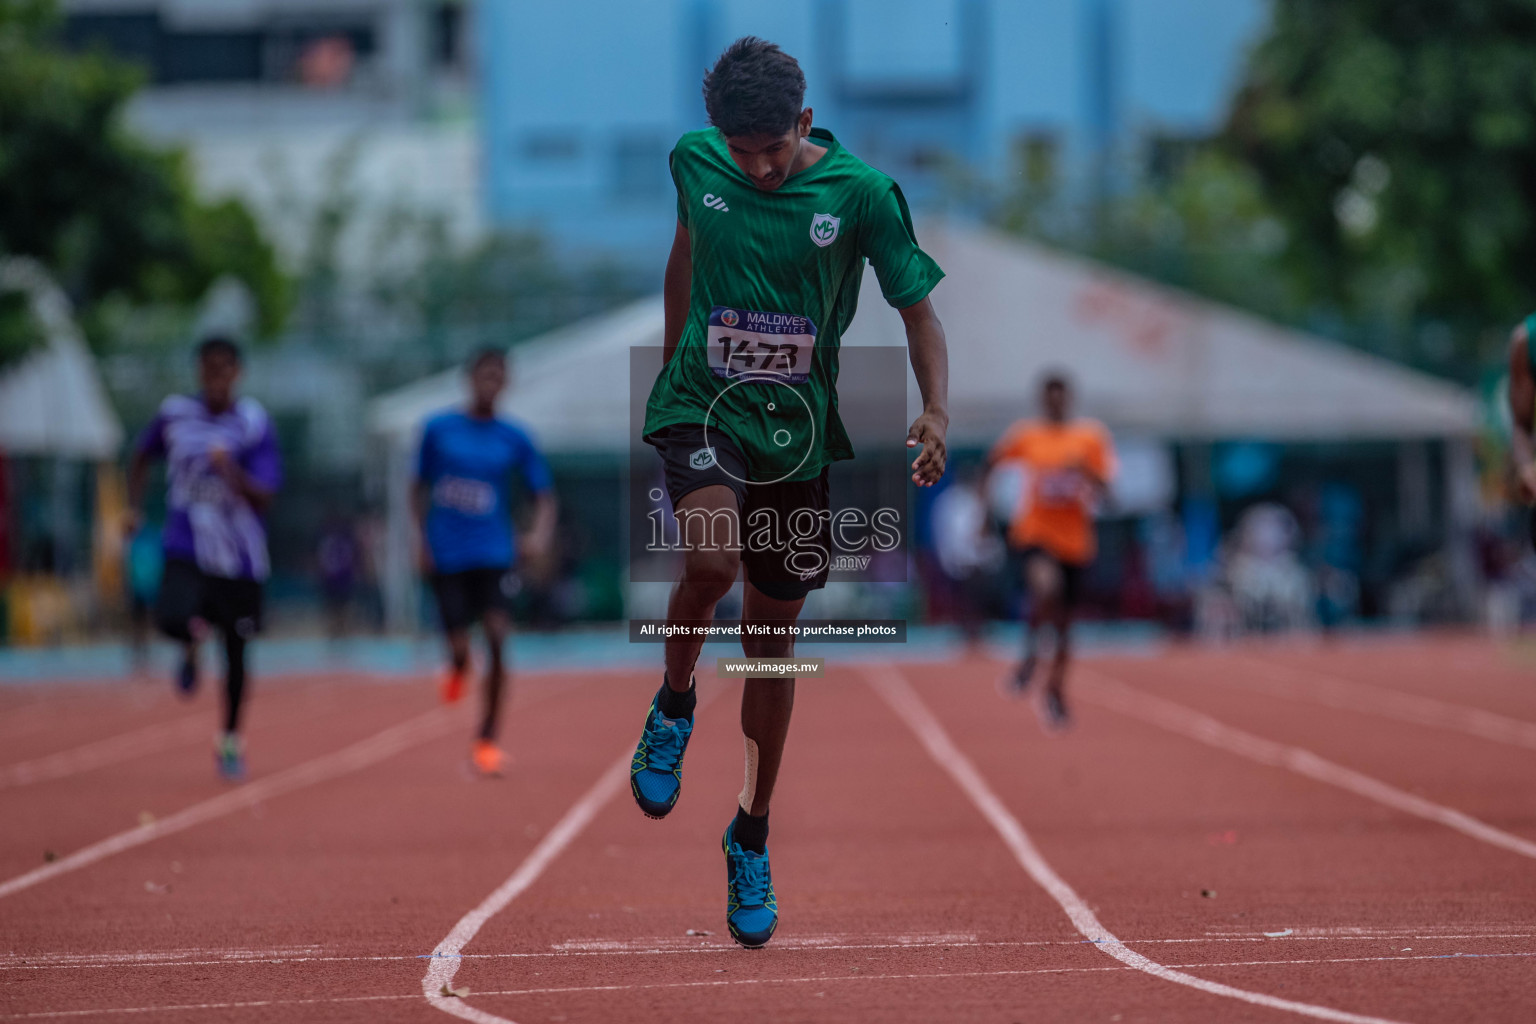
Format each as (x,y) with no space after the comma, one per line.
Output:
(775,284)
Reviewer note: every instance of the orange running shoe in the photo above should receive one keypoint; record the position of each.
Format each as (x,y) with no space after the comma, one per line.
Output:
(488,758)
(451,686)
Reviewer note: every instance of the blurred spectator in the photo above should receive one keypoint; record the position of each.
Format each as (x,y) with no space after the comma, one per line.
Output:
(1269,585)
(965,550)
(339,557)
(371,540)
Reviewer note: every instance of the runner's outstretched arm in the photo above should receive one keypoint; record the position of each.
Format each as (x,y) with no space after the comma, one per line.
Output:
(1522,411)
(677,291)
(929,353)
(257,494)
(541,532)
(138,474)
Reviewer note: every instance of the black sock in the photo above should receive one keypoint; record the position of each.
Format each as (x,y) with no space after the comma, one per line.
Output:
(751,831)
(672,704)
(234,680)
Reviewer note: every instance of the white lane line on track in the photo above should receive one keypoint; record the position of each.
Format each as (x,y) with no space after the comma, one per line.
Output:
(148,740)
(1352,695)
(727,983)
(349,759)
(443,963)
(1117,696)
(241,959)
(892,686)
(665,943)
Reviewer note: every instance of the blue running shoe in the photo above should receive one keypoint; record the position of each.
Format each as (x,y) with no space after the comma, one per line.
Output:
(656,772)
(751,908)
(230,758)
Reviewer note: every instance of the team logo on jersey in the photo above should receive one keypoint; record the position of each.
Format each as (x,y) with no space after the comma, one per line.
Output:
(730,318)
(715,202)
(702,459)
(824,229)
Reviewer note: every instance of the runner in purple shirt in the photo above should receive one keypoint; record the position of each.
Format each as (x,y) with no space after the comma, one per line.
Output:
(222,468)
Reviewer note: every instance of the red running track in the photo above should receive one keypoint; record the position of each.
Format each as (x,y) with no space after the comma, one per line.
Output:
(1260,833)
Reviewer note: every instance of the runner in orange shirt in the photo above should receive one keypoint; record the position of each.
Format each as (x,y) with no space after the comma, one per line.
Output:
(1069,464)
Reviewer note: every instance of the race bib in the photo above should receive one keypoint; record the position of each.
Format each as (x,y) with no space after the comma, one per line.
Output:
(468,497)
(773,347)
(1061,487)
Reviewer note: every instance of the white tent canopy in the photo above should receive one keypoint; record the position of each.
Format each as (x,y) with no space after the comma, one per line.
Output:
(1147,359)
(571,386)
(53,402)
(1144,358)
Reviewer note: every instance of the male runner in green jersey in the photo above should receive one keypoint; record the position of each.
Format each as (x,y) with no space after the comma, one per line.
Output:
(775,221)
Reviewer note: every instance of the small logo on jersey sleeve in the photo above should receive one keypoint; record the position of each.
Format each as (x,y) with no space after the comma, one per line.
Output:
(824,229)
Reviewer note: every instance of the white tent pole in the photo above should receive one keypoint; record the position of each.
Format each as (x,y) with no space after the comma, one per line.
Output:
(398,580)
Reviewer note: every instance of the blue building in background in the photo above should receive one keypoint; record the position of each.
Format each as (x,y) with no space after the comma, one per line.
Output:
(582,100)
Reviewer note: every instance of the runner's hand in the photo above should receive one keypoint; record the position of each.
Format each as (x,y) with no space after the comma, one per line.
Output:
(226,467)
(1526,475)
(537,550)
(928,431)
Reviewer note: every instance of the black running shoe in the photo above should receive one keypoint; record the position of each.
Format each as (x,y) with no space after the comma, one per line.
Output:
(186,678)
(1054,716)
(1016,682)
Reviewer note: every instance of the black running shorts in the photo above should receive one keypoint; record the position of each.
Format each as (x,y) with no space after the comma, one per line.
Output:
(786,527)
(186,592)
(464,597)
(1071,575)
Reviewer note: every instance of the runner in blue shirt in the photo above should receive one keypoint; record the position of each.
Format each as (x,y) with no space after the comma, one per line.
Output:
(468,547)
(222,469)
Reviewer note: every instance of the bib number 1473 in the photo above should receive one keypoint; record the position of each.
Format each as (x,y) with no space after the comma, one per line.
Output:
(767,346)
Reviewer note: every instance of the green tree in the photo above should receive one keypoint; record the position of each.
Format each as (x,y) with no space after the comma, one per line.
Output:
(1396,141)
(1201,224)
(115,219)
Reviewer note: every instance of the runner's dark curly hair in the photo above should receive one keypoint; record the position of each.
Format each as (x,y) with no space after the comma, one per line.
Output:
(219,345)
(755,88)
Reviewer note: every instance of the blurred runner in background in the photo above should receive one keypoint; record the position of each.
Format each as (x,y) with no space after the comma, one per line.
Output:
(1069,463)
(222,469)
(339,560)
(468,546)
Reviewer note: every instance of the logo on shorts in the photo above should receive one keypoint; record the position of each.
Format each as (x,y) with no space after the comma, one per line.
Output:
(824,229)
(730,318)
(702,459)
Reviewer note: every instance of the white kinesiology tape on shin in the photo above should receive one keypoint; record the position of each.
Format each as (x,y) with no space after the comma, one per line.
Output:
(749,789)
